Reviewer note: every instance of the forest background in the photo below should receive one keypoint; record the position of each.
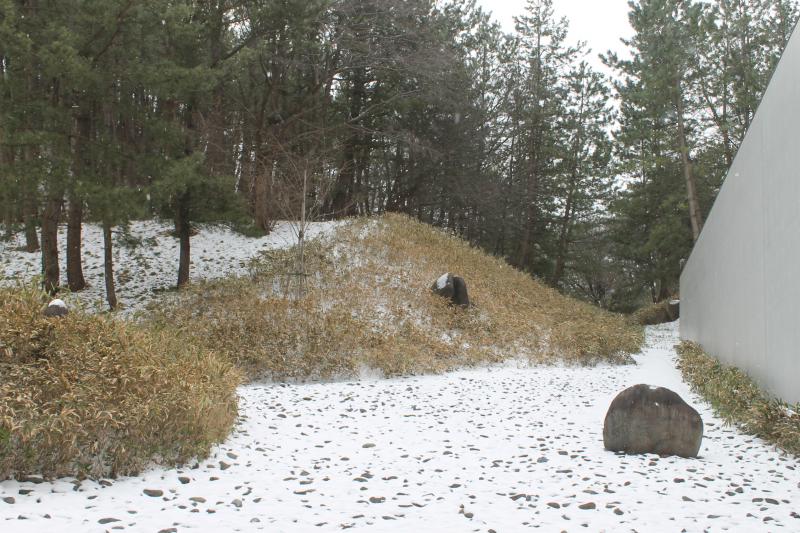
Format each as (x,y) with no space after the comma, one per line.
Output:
(245,112)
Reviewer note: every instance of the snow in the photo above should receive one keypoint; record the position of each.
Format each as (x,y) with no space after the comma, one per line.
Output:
(146,261)
(507,448)
(441,283)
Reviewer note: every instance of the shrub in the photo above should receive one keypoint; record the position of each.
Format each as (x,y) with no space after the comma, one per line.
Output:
(738,400)
(368,304)
(92,396)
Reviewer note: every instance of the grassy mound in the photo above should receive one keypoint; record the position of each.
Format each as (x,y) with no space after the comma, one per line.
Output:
(368,304)
(738,400)
(92,396)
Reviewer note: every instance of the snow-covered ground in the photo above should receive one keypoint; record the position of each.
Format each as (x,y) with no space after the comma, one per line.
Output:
(506,449)
(146,260)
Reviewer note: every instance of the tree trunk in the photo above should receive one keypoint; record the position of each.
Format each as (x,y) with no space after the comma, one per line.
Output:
(51,274)
(262,186)
(183,228)
(108,264)
(31,237)
(695,216)
(563,240)
(343,202)
(75,278)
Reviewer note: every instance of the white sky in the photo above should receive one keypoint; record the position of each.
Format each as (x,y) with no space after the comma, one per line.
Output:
(601,23)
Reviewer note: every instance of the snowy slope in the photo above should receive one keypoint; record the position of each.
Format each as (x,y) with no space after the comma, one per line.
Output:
(504,449)
(153,263)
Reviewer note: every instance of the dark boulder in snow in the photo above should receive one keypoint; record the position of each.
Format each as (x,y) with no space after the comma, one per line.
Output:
(646,419)
(453,288)
(56,308)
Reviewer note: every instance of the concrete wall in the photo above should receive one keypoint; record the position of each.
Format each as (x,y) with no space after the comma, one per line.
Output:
(740,289)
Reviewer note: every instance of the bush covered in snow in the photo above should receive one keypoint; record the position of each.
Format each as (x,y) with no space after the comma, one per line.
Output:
(93,396)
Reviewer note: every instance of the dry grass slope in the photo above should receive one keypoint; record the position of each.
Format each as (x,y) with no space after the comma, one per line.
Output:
(368,304)
(92,396)
(739,400)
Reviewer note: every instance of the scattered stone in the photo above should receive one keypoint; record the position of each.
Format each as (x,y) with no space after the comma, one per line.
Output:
(184,480)
(223,465)
(647,419)
(107,520)
(154,493)
(377,499)
(587,506)
(9,500)
(237,503)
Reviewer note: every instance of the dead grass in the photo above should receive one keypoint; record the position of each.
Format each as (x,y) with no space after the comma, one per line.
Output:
(739,401)
(368,304)
(651,315)
(92,396)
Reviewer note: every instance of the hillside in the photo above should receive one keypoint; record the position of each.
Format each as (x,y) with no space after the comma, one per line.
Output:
(367,305)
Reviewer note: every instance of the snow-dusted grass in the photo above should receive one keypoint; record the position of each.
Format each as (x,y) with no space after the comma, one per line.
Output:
(369,304)
(504,448)
(146,258)
(739,400)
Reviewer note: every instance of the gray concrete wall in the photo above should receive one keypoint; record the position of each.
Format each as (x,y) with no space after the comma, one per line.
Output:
(740,289)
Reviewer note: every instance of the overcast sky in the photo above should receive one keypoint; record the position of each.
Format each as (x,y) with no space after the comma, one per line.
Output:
(601,23)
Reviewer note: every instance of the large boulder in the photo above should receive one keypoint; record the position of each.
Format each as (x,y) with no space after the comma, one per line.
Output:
(453,288)
(647,419)
(56,308)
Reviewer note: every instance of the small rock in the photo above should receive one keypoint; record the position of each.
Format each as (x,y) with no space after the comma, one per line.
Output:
(377,499)
(237,503)
(154,493)
(184,479)
(9,500)
(107,520)
(587,506)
